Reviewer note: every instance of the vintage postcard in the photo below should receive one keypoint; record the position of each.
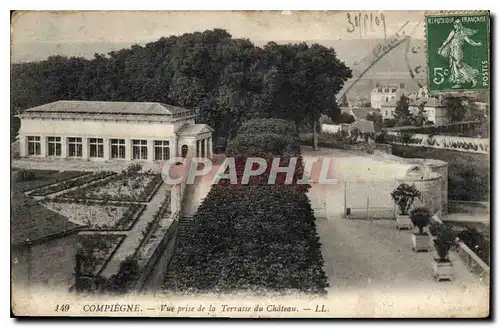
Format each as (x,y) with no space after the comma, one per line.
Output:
(264,164)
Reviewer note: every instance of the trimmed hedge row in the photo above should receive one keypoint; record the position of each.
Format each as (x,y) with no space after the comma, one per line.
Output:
(255,237)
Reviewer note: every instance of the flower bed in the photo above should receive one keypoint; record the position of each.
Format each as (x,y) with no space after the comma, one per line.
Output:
(32,179)
(96,250)
(138,187)
(73,183)
(97,215)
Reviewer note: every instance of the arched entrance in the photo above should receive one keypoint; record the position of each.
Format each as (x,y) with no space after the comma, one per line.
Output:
(184,151)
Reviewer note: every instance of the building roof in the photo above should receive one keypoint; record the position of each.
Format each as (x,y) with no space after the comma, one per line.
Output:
(364,126)
(428,102)
(192,129)
(390,103)
(361,112)
(108,107)
(32,222)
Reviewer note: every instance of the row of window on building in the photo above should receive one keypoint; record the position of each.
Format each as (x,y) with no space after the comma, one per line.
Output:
(96,148)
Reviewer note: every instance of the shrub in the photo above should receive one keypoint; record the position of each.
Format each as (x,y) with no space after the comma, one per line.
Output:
(404,196)
(262,145)
(124,280)
(258,238)
(444,242)
(420,217)
(271,125)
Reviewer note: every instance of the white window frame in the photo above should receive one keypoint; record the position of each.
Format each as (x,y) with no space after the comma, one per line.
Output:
(36,143)
(139,149)
(162,148)
(54,141)
(121,149)
(77,142)
(98,145)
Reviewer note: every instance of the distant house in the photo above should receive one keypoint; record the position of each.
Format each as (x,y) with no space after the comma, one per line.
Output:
(388,109)
(106,130)
(433,106)
(364,126)
(43,246)
(384,94)
(359,113)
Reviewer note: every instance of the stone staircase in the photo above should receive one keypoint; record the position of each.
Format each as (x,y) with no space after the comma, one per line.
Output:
(182,232)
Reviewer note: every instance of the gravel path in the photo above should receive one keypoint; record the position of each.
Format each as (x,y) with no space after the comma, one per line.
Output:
(372,264)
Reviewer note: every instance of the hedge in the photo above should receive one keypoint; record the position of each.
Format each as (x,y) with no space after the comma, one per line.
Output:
(271,125)
(257,238)
(254,237)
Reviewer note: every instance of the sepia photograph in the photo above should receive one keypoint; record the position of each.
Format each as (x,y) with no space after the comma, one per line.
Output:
(250,164)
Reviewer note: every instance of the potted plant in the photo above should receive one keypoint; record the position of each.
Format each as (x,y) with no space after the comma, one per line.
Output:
(420,217)
(404,196)
(442,266)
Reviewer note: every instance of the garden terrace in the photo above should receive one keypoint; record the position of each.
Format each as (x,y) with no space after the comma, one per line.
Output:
(97,215)
(96,250)
(134,187)
(68,184)
(26,180)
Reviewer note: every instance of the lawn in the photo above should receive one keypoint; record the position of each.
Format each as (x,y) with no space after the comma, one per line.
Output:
(63,185)
(26,180)
(136,187)
(97,215)
(468,174)
(96,250)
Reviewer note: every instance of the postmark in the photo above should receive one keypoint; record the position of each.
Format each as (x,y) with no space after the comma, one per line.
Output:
(458,52)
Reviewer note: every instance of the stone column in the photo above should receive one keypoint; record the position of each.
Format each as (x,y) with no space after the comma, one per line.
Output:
(64,147)
(22,146)
(210,147)
(173,147)
(85,148)
(43,146)
(128,149)
(151,154)
(106,146)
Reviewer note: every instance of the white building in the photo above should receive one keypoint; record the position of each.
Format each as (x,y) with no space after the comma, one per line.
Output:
(100,130)
(433,106)
(384,94)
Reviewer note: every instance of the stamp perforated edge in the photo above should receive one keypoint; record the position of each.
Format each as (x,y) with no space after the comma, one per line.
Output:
(454,13)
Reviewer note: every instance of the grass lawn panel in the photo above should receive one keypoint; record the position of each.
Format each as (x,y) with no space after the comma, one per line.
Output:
(73,183)
(98,216)
(97,250)
(45,178)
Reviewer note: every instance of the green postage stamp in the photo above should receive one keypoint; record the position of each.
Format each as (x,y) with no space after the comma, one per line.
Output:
(458,52)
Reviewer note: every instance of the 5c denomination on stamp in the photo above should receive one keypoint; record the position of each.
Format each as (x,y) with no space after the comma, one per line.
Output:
(458,52)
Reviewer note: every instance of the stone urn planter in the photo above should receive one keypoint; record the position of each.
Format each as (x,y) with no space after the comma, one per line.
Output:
(442,267)
(404,196)
(420,217)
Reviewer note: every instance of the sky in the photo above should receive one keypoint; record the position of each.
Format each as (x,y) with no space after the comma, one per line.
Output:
(38,34)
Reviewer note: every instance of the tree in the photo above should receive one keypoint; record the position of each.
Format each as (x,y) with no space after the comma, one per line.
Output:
(302,82)
(402,113)
(376,118)
(420,118)
(456,108)
(344,102)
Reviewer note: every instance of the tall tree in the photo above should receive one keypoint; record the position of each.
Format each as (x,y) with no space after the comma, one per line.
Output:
(402,113)
(456,109)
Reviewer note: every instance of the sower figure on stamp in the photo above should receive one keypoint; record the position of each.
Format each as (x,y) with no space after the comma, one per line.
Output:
(451,48)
